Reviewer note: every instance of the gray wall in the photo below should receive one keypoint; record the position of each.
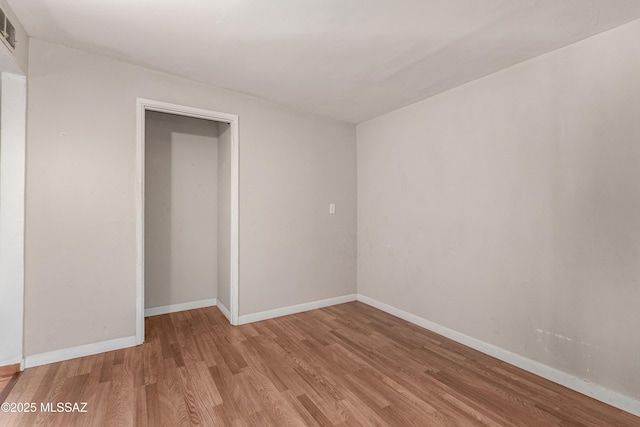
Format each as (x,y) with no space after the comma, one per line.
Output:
(181,209)
(224,215)
(13,68)
(508,209)
(13,106)
(80,208)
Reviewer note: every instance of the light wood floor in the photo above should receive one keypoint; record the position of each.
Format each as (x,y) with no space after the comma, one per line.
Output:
(344,365)
(6,384)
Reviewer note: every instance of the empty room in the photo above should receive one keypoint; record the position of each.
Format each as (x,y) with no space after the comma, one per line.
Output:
(267,213)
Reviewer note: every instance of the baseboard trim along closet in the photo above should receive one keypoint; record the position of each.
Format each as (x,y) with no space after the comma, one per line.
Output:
(11,361)
(223,308)
(173,308)
(613,398)
(79,351)
(292,309)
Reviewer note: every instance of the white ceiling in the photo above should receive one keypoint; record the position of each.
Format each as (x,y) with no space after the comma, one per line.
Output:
(347,59)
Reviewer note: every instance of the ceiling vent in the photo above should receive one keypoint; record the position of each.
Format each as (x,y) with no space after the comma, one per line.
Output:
(7,31)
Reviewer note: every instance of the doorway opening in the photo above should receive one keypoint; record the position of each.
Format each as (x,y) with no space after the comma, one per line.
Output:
(187,214)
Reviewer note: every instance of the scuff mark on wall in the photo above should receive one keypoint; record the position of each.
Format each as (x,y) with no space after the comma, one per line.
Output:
(559,346)
(562,337)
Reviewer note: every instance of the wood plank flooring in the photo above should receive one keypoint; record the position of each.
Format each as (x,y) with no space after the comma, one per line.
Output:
(346,365)
(8,376)
(6,385)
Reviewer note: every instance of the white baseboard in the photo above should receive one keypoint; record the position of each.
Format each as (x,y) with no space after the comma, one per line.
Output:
(598,392)
(173,308)
(11,361)
(292,309)
(110,345)
(223,308)
(79,351)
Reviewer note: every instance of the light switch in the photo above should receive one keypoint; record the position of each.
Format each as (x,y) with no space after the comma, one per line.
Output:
(332,208)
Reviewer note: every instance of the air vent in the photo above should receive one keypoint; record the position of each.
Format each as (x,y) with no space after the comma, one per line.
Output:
(7,31)
(11,33)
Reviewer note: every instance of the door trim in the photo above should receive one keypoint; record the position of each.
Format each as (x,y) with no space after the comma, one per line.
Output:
(144,105)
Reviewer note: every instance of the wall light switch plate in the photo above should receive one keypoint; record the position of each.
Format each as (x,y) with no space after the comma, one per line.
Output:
(332,208)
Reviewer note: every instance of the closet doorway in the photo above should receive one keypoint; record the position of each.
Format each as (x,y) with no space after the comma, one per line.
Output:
(187,210)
